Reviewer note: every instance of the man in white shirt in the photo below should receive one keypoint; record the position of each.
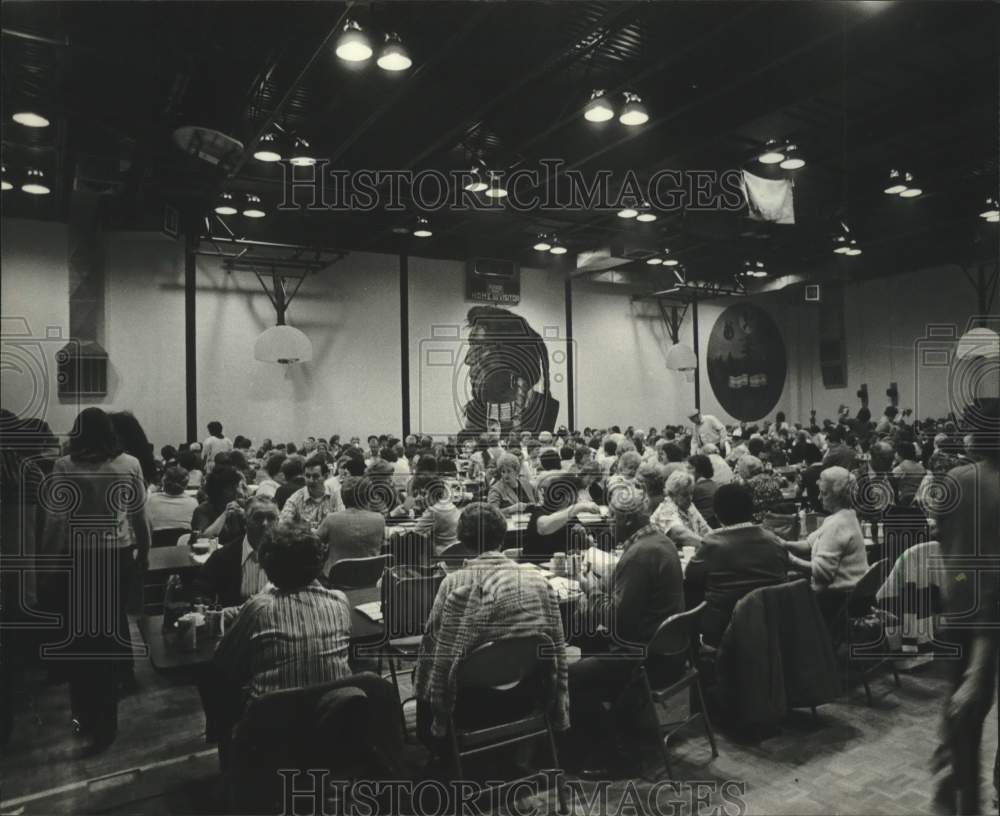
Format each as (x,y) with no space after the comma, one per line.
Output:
(312,503)
(707,431)
(215,444)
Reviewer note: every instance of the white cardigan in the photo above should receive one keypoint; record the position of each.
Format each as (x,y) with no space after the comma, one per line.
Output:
(838,552)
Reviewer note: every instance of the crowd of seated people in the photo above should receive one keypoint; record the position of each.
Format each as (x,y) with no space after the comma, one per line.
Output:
(284,513)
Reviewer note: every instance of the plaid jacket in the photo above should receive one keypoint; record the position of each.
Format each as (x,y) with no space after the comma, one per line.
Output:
(490,599)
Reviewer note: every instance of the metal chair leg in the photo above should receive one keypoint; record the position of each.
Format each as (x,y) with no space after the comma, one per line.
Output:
(704,716)
(659,730)
(560,793)
(395,683)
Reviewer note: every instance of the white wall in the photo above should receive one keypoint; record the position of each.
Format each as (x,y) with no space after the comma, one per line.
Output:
(437,310)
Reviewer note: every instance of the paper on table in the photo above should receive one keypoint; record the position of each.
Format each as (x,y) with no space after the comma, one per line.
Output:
(565,588)
(371,610)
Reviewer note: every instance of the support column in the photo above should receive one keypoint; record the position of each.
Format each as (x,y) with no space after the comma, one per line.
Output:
(190,334)
(694,347)
(404,338)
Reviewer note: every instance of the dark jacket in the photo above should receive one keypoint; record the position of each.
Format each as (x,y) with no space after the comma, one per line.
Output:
(287,489)
(730,563)
(704,496)
(221,575)
(776,655)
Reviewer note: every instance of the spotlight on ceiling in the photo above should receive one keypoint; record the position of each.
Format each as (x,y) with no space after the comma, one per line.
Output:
(423,229)
(557,248)
(991,213)
(301,154)
(476,183)
(253,208)
(645,215)
(353,45)
(496,188)
(226,205)
(894,186)
(633,112)
(268,149)
(840,245)
(754,269)
(793,159)
(542,244)
(34,183)
(393,56)
(668,261)
(853,248)
(912,190)
(628,212)
(30,119)
(772,153)
(5,183)
(598,109)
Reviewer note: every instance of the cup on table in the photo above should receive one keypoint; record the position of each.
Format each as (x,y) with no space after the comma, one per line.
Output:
(187,632)
(213,622)
(559,564)
(202,546)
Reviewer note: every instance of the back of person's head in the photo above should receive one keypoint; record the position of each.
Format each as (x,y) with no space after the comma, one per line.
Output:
(215,428)
(559,491)
(812,454)
(566,453)
(748,467)
(628,463)
(610,447)
(238,460)
(755,446)
(223,459)
(352,491)
(653,477)
(426,464)
(702,466)
(906,450)
(175,480)
(168,453)
(891,411)
(882,455)
(218,481)
(354,465)
(293,467)
(93,437)
(447,467)
(291,556)
(388,455)
(673,452)
(481,527)
(274,463)
(733,504)
(549,460)
(189,460)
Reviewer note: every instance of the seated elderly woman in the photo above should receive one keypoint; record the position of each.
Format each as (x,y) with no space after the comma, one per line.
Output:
(764,487)
(623,489)
(677,517)
(511,493)
(491,597)
(354,532)
(171,508)
(439,521)
(834,555)
(551,528)
(294,633)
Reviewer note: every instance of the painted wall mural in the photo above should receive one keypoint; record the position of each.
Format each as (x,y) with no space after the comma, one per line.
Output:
(747,363)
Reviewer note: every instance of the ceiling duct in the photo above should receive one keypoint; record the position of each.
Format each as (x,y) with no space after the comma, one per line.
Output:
(618,253)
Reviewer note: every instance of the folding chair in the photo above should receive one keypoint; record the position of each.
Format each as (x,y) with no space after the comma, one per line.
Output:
(511,665)
(861,601)
(168,537)
(411,549)
(356,573)
(676,636)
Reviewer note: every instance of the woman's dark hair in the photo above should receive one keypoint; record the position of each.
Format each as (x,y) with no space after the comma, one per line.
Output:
(353,465)
(189,460)
(175,480)
(447,467)
(755,446)
(388,454)
(906,450)
(779,417)
(550,460)
(292,467)
(566,453)
(291,555)
(702,466)
(273,464)
(133,441)
(168,453)
(733,504)
(215,428)
(673,452)
(217,481)
(481,527)
(93,437)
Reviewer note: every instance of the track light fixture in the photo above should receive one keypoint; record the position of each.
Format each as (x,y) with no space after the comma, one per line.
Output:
(912,190)
(476,183)
(793,159)
(353,45)
(628,212)
(496,188)
(772,153)
(646,215)
(422,229)
(557,248)
(301,155)
(598,109)
(35,183)
(542,244)
(226,205)
(5,182)
(901,184)
(30,119)
(991,213)
(654,261)
(633,112)
(268,148)
(393,56)
(253,207)
(754,269)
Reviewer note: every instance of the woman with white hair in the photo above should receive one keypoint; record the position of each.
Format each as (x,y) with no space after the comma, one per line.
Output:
(834,555)
(511,493)
(623,490)
(677,517)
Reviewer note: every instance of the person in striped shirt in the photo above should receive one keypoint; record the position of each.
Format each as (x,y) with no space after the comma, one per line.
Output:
(491,598)
(294,633)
